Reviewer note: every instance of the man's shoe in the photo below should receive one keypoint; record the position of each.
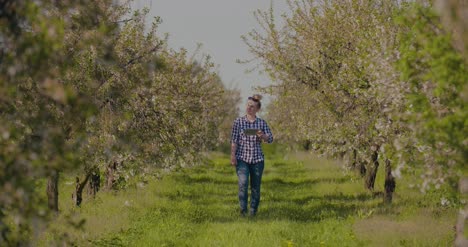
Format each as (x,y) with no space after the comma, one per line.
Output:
(243,213)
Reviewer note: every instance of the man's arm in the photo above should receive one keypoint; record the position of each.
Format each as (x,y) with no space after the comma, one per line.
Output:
(234,141)
(233,154)
(267,136)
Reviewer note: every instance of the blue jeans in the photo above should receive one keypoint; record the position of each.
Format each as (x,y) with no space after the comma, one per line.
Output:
(255,171)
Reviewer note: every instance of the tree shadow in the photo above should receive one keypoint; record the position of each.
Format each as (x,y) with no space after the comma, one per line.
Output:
(278,205)
(362,197)
(204,180)
(302,182)
(315,213)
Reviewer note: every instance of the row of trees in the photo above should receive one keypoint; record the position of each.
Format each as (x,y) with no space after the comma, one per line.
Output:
(84,86)
(369,80)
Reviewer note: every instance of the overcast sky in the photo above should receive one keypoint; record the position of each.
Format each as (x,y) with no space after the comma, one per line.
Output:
(218,26)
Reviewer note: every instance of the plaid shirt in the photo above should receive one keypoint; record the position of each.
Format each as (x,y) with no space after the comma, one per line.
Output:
(249,149)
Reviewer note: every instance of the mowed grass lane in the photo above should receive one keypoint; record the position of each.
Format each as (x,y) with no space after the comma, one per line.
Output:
(305,201)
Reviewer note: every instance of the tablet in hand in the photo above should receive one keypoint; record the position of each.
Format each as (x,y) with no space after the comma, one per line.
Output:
(251,132)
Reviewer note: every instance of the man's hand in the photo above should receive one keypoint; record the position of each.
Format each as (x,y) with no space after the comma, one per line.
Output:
(233,160)
(262,136)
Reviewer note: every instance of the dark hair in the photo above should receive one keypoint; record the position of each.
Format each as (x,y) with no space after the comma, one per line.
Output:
(257,98)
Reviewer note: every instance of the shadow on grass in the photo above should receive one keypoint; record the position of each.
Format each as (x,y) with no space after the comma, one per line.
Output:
(302,182)
(362,197)
(204,180)
(316,213)
(220,204)
(222,207)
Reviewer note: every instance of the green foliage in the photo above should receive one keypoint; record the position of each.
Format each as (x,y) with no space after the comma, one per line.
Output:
(333,67)
(438,77)
(37,108)
(355,79)
(81,88)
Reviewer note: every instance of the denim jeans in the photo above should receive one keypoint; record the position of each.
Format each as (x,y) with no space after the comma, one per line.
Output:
(255,171)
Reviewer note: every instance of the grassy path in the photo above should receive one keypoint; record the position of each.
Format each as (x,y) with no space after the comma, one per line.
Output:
(305,202)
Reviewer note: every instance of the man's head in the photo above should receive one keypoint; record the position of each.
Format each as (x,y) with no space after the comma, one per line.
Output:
(254,104)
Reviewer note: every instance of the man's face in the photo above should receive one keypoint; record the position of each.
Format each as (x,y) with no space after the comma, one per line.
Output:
(252,107)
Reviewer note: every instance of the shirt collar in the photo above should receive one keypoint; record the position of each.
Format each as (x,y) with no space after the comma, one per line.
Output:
(247,120)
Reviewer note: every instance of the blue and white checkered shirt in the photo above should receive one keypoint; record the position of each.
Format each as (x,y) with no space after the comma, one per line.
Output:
(249,147)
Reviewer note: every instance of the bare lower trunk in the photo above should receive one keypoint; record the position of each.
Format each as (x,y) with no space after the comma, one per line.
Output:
(79,186)
(358,165)
(94,183)
(4,229)
(52,191)
(460,239)
(110,174)
(372,171)
(307,145)
(390,183)
(362,169)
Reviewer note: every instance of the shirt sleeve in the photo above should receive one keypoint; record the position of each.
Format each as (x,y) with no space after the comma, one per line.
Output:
(268,132)
(235,132)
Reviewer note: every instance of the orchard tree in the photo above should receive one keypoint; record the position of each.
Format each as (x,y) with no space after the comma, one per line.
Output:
(379,80)
(82,86)
(42,114)
(156,106)
(326,61)
(437,77)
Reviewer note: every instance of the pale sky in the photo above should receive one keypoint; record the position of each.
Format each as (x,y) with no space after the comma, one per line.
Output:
(218,26)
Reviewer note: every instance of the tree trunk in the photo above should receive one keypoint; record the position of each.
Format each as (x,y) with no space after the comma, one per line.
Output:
(354,163)
(460,239)
(110,174)
(372,171)
(307,145)
(390,183)
(358,165)
(78,195)
(94,183)
(362,169)
(52,191)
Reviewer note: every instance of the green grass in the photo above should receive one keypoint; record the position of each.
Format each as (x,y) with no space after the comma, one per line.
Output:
(306,201)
